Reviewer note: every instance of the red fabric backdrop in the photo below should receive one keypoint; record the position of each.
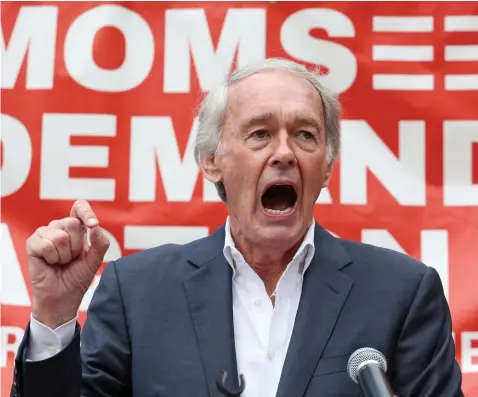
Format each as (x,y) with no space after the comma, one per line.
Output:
(98,101)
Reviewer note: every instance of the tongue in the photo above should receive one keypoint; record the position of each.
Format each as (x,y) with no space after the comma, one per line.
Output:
(275,203)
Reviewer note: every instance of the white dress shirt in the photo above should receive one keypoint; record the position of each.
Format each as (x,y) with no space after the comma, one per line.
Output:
(262,331)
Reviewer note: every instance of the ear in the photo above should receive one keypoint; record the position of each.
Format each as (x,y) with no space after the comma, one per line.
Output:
(328,174)
(210,168)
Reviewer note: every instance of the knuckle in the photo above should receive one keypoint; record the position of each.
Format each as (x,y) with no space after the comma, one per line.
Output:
(30,243)
(54,223)
(47,248)
(40,230)
(74,235)
(61,238)
(73,223)
(30,239)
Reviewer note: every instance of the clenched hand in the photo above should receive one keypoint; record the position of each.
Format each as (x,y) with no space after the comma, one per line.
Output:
(62,264)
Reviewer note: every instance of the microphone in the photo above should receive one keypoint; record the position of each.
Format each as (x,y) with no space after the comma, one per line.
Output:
(367,368)
(225,390)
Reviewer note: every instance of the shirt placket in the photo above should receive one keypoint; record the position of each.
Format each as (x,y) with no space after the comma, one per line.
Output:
(276,349)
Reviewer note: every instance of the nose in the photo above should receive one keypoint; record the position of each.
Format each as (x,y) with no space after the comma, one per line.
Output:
(283,155)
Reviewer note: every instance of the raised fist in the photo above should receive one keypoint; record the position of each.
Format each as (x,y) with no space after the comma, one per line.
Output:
(62,264)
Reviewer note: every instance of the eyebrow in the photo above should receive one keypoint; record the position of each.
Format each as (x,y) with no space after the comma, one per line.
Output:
(263,118)
(267,117)
(309,122)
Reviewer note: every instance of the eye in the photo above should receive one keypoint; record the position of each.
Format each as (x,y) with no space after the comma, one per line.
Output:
(307,135)
(260,134)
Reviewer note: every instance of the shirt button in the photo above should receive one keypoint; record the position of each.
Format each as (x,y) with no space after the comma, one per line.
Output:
(270,354)
(257,302)
(51,349)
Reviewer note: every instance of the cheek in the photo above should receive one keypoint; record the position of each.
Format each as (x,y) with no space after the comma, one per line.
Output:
(314,179)
(240,186)
(242,170)
(236,179)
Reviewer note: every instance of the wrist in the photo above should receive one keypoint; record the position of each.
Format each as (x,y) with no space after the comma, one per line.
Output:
(51,316)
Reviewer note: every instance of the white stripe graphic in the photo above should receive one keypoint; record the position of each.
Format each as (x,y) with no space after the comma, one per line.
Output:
(461,53)
(144,237)
(461,23)
(402,53)
(402,24)
(461,82)
(400,82)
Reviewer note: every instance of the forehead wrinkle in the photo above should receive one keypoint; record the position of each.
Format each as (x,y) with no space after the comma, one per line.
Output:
(298,119)
(246,94)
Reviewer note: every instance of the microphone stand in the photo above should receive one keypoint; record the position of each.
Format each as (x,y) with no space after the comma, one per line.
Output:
(225,390)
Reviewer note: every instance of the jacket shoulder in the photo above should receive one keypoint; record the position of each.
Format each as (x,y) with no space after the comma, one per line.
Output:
(156,255)
(166,256)
(384,263)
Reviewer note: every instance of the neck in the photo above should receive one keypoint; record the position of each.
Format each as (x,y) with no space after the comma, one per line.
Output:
(268,262)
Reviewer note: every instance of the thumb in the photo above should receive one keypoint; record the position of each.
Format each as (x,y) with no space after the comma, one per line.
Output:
(99,244)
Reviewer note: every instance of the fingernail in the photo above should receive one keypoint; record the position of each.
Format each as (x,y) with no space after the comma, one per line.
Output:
(91,222)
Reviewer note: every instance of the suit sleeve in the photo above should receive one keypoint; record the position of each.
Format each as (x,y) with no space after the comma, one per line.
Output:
(424,364)
(100,368)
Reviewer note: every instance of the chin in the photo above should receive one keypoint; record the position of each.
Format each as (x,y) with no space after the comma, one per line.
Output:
(281,235)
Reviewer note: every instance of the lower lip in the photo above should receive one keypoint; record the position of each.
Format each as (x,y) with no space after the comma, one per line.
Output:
(279,215)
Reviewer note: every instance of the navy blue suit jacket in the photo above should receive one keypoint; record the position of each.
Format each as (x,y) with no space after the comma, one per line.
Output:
(160,324)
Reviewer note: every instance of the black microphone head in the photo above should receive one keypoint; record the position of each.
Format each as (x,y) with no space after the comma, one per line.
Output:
(362,357)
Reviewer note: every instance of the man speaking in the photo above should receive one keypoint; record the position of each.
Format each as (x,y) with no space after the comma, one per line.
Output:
(270,295)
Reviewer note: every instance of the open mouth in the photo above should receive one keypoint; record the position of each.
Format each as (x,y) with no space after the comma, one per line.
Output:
(279,199)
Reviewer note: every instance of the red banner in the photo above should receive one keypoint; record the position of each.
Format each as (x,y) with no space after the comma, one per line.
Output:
(98,103)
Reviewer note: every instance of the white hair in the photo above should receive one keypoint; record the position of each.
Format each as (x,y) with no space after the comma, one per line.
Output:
(213,107)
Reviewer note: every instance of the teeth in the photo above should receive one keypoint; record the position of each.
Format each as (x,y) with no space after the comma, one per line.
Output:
(279,212)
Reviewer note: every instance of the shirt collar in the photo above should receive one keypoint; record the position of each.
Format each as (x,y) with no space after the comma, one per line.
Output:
(302,257)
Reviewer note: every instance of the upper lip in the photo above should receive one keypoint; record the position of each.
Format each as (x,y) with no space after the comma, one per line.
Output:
(281,181)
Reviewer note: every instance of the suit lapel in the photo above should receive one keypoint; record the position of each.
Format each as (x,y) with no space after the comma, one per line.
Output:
(324,293)
(209,294)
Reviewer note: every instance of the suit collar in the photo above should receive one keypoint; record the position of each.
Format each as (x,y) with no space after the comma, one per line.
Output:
(329,249)
(203,251)
(206,250)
